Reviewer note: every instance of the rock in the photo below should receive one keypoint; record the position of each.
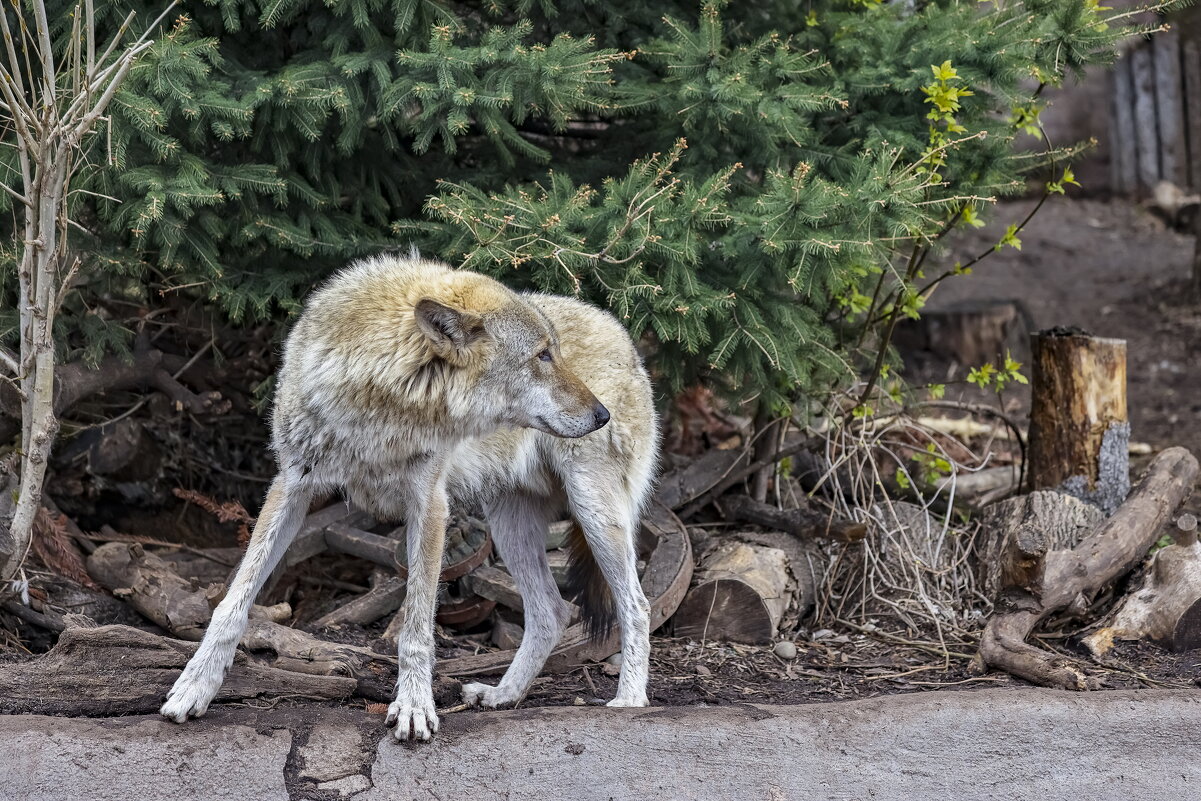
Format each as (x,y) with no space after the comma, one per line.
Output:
(332,752)
(506,636)
(785,650)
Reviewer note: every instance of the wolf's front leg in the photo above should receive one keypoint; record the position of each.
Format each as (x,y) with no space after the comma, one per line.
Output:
(283,512)
(413,713)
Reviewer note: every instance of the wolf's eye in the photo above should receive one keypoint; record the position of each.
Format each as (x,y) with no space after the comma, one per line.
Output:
(545,355)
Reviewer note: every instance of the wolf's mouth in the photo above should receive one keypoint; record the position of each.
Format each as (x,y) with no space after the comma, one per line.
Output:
(544,426)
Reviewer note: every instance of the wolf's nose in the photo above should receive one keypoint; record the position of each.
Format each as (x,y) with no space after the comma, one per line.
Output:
(600,414)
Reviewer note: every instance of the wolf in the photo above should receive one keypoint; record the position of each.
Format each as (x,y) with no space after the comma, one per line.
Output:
(406,384)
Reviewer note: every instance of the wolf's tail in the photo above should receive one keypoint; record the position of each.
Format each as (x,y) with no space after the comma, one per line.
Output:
(586,585)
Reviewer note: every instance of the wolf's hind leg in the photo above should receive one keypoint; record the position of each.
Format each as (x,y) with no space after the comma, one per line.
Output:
(518,525)
(608,515)
(283,512)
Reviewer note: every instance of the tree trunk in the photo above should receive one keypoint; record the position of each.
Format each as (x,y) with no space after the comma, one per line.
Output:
(1079,434)
(966,334)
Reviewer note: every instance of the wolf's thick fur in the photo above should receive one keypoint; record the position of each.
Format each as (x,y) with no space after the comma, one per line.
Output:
(406,383)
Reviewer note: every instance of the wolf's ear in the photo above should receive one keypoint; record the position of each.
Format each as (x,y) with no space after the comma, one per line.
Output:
(451,331)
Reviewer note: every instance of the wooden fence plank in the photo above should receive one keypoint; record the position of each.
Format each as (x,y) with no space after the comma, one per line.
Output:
(1122,137)
(1145,122)
(1191,52)
(1169,108)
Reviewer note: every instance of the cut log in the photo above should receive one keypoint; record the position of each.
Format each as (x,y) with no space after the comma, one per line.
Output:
(680,487)
(665,580)
(1079,433)
(979,488)
(496,585)
(1166,608)
(1044,580)
(966,334)
(741,594)
(807,565)
(119,670)
(806,524)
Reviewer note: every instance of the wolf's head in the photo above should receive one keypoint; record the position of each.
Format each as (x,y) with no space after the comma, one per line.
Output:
(520,376)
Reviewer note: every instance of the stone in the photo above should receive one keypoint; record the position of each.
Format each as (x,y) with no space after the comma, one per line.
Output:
(785,650)
(332,752)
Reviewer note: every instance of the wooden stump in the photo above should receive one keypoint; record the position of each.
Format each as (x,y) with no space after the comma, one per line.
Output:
(1166,608)
(966,334)
(1079,433)
(1039,580)
(1062,521)
(741,594)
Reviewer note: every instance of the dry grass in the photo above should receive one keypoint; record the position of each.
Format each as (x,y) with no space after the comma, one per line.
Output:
(915,576)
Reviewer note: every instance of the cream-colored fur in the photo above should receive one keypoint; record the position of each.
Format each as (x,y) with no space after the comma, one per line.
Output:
(405,384)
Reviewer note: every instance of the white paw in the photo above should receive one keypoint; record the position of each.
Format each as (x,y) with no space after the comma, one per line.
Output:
(190,697)
(487,696)
(413,720)
(620,702)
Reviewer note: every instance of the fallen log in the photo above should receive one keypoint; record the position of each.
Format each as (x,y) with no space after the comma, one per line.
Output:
(120,670)
(149,585)
(803,523)
(1166,607)
(741,595)
(1038,580)
(382,599)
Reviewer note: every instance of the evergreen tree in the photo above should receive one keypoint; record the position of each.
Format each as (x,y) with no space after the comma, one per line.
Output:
(749,186)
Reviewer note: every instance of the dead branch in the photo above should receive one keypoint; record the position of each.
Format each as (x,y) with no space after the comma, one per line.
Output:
(1042,581)
(802,523)
(382,599)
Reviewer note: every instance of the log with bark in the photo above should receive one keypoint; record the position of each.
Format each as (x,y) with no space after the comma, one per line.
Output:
(1079,432)
(742,593)
(1038,580)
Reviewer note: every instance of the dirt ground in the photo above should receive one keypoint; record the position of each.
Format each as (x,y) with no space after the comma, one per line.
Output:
(1115,270)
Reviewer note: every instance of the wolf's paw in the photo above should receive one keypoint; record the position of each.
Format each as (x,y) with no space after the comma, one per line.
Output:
(487,696)
(620,702)
(190,697)
(412,720)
